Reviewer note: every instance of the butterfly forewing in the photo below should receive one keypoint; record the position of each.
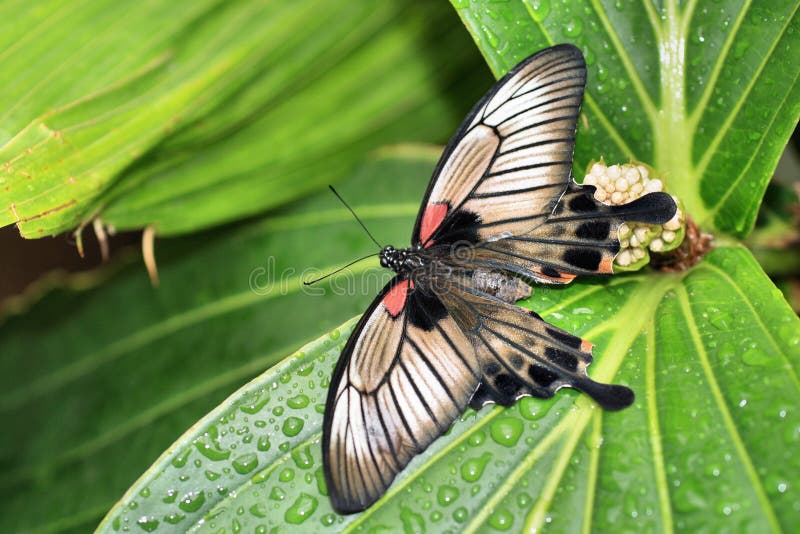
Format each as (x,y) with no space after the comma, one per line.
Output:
(406,373)
(511,159)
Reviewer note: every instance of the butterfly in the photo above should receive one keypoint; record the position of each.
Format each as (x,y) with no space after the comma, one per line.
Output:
(501,210)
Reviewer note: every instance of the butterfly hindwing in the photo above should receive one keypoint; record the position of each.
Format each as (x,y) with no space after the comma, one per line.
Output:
(511,158)
(406,373)
(520,354)
(578,238)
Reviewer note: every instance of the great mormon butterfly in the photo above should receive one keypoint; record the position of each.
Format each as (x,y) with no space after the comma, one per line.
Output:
(501,209)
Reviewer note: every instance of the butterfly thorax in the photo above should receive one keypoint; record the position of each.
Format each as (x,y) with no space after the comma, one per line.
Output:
(403,261)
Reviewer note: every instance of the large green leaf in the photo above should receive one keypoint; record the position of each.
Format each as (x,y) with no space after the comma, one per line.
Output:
(713,355)
(92,400)
(184,115)
(705,92)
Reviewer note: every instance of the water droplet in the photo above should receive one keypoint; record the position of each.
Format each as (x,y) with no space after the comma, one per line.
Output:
(460,514)
(263,443)
(447,495)
(286,475)
(490,36)
(477,437)
(277,411)
(574,27)
(192,501)
(277,494)
(292,426)
(297,402)
(254,401)
(212,475)
(302,458)
(174,518)
(523,500)
(531,408)
(259,510)
(171,496)
(208,445)
(145,492)
(147,523)
(756,357)
(182,458)
(301,510)
(501,519)
(506,431)
(245,463)
(321,486)
(541,8)
(335,334)
(327,519)
(473,468)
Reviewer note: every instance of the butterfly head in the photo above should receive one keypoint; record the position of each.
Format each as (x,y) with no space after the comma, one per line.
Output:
(400,260)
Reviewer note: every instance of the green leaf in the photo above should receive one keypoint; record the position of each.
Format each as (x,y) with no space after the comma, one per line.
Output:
(184,116)
(96,384)
(712,353)
(705,444)
(706,92)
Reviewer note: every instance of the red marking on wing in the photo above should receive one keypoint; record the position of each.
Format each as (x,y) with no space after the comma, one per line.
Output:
(395,299)
(431,219)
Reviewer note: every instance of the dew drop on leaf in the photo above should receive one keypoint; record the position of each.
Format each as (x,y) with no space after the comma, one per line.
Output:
(473,468)
(447,495)
(147,523)
(501,519)
(298,401)
(292,426)
(263,443)
(174,518)
(245,463)
(301,510)
(192,501)
(277,494)
(506,431)
(286,475)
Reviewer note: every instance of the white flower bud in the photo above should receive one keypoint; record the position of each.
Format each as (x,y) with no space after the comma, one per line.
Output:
(613,172)
(638,253)
(598,169)
(624,231)
(656,245)
(634,241)
(600,195)
(668,236)
(589,180)
(643,172)
(632,175)
(637,188)
(622,184)
(617,198)
(624,258)
(641,234)
(654,186)
(673,224)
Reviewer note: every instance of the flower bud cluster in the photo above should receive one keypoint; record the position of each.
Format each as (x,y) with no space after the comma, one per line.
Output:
(620,184)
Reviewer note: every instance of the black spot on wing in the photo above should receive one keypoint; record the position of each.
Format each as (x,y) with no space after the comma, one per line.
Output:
(561,358)
(597,230)
(517,361)
(508,387)
(582,203)
(460,227)
(541,375)
(424,309)
(586,259)
(492,368)
(549,271)
(565,338)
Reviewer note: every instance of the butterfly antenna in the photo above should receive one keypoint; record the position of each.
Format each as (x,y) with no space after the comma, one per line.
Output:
(346,205)
(340,269)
